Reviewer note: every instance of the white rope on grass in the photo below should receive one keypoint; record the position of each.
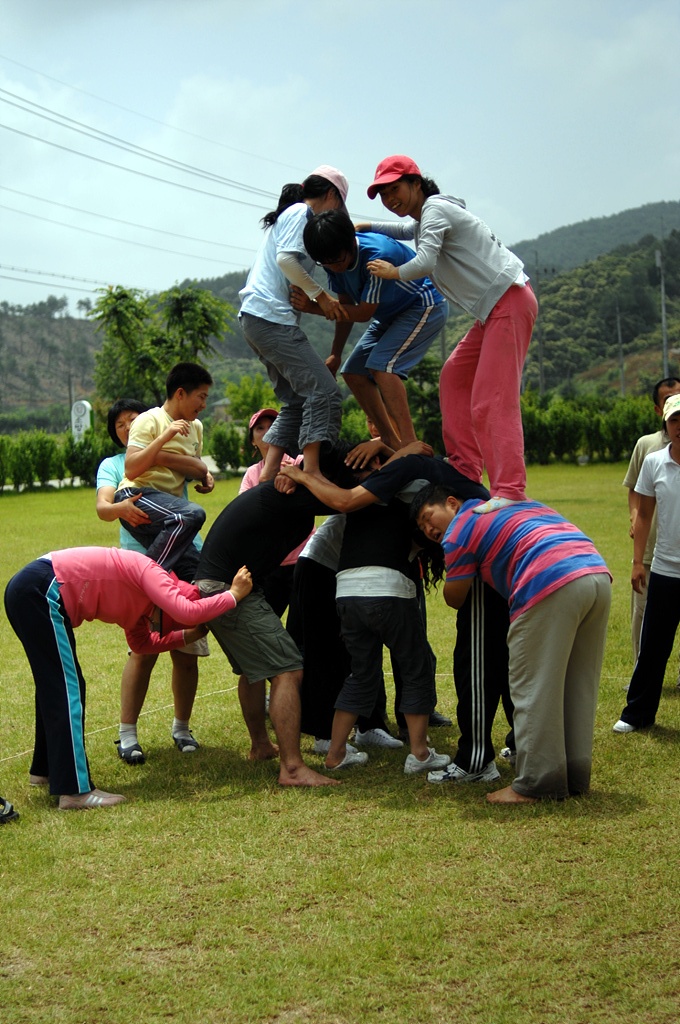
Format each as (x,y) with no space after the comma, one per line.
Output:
(142,714)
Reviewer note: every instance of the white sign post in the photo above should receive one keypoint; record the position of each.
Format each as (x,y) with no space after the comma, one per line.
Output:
(81,419)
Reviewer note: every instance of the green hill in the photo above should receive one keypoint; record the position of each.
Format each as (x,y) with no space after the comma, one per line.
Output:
(47,356)
(575,244)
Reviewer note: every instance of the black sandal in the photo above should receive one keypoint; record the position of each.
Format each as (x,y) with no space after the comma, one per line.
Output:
(131,755)
(7,812)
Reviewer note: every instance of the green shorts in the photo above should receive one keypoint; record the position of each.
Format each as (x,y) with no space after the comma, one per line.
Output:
(252,636)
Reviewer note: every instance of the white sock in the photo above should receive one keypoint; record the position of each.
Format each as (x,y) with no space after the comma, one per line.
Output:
(180,729)
(128,735)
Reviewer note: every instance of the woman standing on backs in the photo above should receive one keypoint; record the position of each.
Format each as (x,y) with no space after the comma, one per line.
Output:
(312,405)
(479,387)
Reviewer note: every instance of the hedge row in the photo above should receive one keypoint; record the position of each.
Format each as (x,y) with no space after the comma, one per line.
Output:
(562,430)
(33,456)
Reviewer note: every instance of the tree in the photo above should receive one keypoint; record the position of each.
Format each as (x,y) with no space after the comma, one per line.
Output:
(145,336)
(249,395)
(226,446)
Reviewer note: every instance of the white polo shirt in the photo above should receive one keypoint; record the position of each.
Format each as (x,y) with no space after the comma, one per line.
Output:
(660,478)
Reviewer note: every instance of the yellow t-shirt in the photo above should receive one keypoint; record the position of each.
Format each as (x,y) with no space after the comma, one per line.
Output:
(145,429)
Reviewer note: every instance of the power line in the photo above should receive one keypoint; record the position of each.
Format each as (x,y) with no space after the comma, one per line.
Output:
(66,287)
(49,273)
(130,170)
(153,120)
(127,223)
(63,121)
(125,241)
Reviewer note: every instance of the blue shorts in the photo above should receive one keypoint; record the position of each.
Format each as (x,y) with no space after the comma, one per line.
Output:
(397,345)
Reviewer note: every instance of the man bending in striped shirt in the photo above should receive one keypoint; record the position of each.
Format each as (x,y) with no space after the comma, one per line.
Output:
(559,591)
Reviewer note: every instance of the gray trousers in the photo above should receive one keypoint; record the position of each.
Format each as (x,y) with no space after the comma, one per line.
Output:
(556,652)
(311,401)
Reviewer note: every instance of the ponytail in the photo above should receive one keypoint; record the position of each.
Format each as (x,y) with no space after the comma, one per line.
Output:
(290,194)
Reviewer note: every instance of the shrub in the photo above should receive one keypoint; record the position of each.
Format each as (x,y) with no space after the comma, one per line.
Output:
(82,458)
(21,469)
(43,449)
(226,445)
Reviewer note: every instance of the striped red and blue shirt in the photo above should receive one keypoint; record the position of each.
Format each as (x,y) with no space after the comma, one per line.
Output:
(524,551)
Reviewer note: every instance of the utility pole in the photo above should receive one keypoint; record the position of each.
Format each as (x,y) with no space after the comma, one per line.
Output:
(664,324)
(539,335)
(621,363)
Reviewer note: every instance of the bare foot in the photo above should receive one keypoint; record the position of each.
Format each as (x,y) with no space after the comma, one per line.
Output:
(38,780)
(263,752)
(509,796)
(301,775)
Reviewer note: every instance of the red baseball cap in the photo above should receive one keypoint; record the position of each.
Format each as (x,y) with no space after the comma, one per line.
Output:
(391,169)
(260,415)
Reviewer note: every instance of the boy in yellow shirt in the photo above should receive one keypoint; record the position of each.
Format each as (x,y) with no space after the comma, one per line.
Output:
(163,453)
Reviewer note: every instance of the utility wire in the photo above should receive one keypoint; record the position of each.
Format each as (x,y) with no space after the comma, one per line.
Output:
(130,170)
(153,120)
(125,241)
(50,273)
(127,223)
(63,121)
(66,287)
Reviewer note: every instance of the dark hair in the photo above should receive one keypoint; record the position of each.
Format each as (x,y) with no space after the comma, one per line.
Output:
(432,561)
(667,382)
(429,187)
(432,494)
(122,405)
(329,235)
(188,376)
(312,187)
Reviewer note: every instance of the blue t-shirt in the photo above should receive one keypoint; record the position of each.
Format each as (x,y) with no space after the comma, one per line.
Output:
(392,297)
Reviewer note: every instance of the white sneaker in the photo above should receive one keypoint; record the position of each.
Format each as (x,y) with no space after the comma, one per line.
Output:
(323,746)
(376,738)
(622,726)
(351,759)
(454,773)
(412,766)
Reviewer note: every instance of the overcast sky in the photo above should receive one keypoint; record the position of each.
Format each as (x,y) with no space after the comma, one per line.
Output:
(539,113)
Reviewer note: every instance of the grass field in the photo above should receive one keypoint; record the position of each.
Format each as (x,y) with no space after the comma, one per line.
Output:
(213,897)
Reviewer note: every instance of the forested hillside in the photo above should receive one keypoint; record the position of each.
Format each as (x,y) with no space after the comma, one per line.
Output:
(47,356)
(575,244)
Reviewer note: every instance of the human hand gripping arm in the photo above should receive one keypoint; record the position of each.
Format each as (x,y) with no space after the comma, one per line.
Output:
(191,468)
(292,269)
(163,591)
(126,510)
(433,229)
(141,460)
(643,523)
(340,498)
(363,453)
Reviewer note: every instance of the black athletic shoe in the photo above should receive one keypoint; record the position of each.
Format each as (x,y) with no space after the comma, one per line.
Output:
(439,720)
(7,812)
